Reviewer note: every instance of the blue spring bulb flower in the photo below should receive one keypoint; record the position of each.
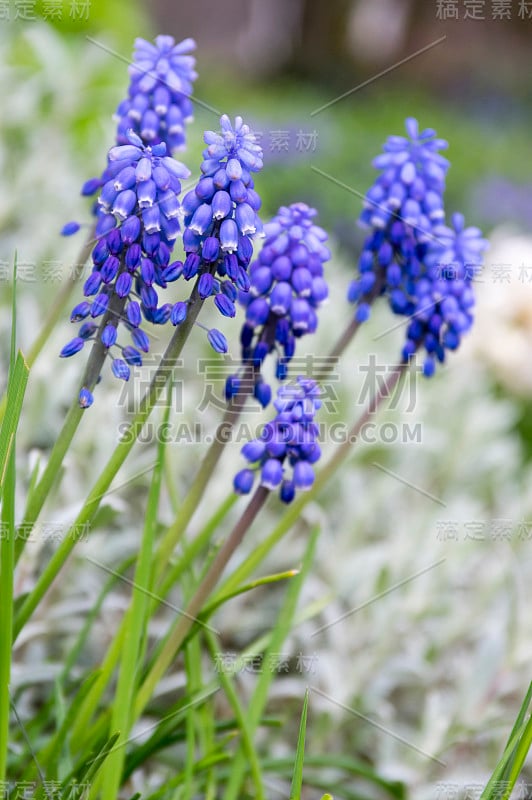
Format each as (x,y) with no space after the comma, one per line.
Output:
(287,288)
(139,208)
(424,268)
(401,210)
(287,448)
(158,106)
(441,302)
(221,216)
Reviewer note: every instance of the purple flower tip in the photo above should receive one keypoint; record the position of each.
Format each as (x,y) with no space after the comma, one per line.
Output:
(70,228)
(217,340)
(243,481)
(85,398)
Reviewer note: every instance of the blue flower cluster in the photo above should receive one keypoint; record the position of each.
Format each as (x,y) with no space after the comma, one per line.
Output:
(403,255)
(138,225)
(221,219)
(287,287)
(442,300)
(158,104)
(401,209)
(290,439)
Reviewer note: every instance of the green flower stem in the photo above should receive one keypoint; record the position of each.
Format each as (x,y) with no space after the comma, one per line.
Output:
(341,345)
(7,564)
(279,633)
(294,511)
(207,467)
(122,450)
(135,621)
(41,491)
(519,758)
(347,336)
(383,393)
(16,386)
(245,734)
(80,726)
(192,549)
(189,616)
(56,310)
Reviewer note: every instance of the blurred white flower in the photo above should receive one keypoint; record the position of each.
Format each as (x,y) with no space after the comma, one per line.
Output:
(502,334)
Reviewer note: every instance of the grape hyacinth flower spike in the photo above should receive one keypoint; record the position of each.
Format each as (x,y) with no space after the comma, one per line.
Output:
(287,288)
(221,219)
(442,300)
(139,209)
(425,268)
(287,448)
(402,210)
(158,106)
